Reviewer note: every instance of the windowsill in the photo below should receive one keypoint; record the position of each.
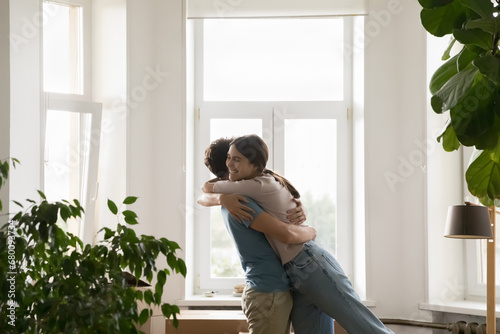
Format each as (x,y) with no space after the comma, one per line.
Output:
(468,307)
(228,300)
(217,300)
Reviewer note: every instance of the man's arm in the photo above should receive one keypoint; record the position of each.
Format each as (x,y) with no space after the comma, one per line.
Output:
(208,187)
(209,199)
(235,204)
(286,233)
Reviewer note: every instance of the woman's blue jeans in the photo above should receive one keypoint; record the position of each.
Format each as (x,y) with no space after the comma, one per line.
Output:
(320,287)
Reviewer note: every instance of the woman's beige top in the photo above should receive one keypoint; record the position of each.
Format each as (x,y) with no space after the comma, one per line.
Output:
(273,198)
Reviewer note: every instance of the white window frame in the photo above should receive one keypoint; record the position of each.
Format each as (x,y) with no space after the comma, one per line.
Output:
(82,104)
(272,114)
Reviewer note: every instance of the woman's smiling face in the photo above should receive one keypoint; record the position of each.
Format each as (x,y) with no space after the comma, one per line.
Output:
(239,166)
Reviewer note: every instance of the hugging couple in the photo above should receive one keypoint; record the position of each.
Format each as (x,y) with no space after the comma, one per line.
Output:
(288,276)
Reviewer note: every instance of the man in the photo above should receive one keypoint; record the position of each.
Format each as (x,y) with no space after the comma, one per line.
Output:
(266,300)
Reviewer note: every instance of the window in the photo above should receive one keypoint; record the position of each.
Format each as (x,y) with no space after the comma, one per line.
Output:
(475,250)
(72,120)
(476,265)
(288,81)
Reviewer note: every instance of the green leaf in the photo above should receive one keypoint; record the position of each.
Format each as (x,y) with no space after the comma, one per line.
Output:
(482,7)
(483,174)
(489,65)
(434,3)
(173,245)
(465,58)
(68,266)
(473,116)
(112,207)
(172,260)
(166,310)
(144,316)
(162,277)
(149,276)
(130,200)
(437,104)
(455,88)
(490,25)
(108,233)
(148,296)
(486,201)
(442,20)
(443,74)
(475,37)
(128,213)
(44,232)
(446,54)
(64,212)
(42,195)
(4,169)
(131,221)
(182,267)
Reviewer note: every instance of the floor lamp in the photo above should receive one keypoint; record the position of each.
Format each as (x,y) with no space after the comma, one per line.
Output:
(472,221)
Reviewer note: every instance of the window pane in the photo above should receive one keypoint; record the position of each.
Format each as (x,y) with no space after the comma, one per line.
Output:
(273,60)
(62,60)
(66,158)
(225,261)
(231,127)
(312,169)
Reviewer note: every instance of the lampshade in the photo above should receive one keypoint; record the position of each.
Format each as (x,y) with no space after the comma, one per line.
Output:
(468,222)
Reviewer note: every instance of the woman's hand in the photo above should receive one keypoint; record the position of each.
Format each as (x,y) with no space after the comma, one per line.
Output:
(234,204)
(297,215)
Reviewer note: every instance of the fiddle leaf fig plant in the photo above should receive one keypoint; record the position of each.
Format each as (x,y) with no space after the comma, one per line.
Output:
(467,86)
(51,282)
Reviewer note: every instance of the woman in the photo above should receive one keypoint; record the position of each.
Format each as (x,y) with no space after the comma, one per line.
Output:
(313,272)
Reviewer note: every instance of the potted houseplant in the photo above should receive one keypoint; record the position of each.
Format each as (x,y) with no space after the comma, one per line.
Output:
(467,86)
(50,282)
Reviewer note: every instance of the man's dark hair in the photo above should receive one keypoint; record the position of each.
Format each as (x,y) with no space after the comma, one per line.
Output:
(216,155)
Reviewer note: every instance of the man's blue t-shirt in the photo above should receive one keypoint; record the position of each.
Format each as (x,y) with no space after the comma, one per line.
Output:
(262,266)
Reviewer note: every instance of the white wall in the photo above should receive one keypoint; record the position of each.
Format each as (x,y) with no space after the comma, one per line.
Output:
(395,166)
(156,136)
(25,98)
(109,87)
(4,99)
